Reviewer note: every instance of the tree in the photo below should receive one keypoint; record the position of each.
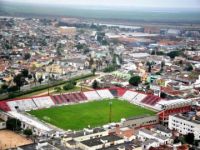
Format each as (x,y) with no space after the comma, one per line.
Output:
(59,50)
(93,71)
(58,89)
(86,50)
(173,54)
(27,56)
(189,67)
(30,76)
(189,138)
(177,140)
(135,80)
(40,80)
(28,132)
(18,80)
(95,84)
(33,67)
(68,86)
(110,68)
(13,124)
(149,66)
(13,89)
(163,95)
(79,46)
(162,65)
(25,72)
(4,87)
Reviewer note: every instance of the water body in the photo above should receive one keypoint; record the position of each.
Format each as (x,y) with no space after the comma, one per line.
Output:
(101,13)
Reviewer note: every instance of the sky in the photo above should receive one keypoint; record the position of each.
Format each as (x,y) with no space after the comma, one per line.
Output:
(179,4)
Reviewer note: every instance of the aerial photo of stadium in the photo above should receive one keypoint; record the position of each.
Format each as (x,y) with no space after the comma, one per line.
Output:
(99,75)
(95,113)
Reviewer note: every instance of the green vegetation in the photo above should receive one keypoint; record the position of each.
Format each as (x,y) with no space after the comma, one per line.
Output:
(42,88)
(189,67)
(95,84)
(13,124)
(174,54)
(28,132)
(68,86)
(58,89)
(27,56)
(189,138)
(94,113)
(135,80)
(110,68)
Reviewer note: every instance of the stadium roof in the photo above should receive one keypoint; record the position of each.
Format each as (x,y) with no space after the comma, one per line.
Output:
(174,102)
(25,118)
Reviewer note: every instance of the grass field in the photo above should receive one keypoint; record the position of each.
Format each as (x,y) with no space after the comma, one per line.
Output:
(93,113)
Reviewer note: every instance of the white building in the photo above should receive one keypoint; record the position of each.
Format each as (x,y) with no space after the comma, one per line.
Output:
(145,135)
(185,124)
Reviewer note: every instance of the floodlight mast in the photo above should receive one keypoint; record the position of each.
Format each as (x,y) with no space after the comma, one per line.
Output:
(110,112)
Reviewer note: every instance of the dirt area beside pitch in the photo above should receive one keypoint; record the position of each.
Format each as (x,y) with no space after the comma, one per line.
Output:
(10,139)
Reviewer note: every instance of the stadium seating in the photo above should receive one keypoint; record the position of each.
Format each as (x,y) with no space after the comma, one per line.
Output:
(92,95)
(139,97)
(151,100)
(117,91)
(4,106)
(12,105)
(43,102)
(121,91)
(114,92)
(104,93)
(68,98)
(47,101)
(24,104)
(129,95)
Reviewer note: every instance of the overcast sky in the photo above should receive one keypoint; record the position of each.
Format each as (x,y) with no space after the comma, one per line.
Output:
(186,4)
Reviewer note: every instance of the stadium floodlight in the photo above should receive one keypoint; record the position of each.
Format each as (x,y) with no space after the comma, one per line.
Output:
(110,112)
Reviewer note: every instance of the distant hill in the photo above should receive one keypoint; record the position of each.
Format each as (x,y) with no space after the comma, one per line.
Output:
(19,9)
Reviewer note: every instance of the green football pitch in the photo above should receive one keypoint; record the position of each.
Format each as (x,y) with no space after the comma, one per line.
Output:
(93,114)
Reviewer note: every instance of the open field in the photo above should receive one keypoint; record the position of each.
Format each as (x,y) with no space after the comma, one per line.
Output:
(93,113)
(9,139)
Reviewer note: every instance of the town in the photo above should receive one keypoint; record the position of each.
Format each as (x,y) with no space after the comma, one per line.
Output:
(121,86)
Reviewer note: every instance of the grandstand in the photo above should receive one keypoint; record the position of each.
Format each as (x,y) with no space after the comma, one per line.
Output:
(92,95)
(138,98)
(105,94)
(171,104)
(117,92)
(150,101)
(24,104)
(171,107)
(43,102)
(129,95)
(69,98)
(4,106)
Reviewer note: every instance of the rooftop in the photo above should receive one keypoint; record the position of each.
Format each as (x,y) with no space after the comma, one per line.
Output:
(101,140)
(162,128)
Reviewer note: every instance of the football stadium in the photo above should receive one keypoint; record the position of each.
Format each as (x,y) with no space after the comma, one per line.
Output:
(79,110)
(91,114)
